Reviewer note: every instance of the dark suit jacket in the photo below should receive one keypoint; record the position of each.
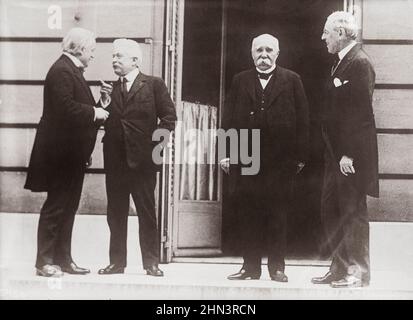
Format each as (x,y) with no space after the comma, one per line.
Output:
(349,127)
(66,133)
(131,126)
(286,119)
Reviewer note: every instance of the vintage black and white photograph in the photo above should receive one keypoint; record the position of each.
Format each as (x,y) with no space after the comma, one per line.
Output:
(206,150)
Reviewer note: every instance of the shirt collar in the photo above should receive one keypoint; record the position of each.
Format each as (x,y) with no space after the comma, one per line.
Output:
(74,59)
(346,50)
(131,76)
(268,70)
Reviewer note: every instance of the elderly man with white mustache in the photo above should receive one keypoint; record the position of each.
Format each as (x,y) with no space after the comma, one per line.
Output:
(271,99)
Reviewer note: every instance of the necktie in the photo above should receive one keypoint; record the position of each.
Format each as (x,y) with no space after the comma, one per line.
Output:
(264,76)
(335,64)
(124,88)
(81,69)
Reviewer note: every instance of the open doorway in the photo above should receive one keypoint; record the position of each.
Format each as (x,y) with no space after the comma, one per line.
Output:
(207,66)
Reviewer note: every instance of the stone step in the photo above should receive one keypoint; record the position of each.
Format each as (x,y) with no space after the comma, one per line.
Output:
(390,243)
(191,278)
(196,282)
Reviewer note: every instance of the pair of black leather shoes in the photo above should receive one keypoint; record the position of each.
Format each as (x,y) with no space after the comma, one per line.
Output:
(243,274)
(49,270)
(112,269)
(326,279)
(350,281)
(279,276)
(72,268)
(337,281)
(154,271)
(116,269)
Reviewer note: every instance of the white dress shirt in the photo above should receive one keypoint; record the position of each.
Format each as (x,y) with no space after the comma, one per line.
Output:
(345,50)
(264,82)
(130,79)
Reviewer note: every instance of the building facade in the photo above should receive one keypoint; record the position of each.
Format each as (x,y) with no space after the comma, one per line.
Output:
(197,46)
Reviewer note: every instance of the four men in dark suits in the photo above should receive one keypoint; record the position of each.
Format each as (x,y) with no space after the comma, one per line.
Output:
(351,157)
(271,99)
(63,144)
(135,105)
(268,98)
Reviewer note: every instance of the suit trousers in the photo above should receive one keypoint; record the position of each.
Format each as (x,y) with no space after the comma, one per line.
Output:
(121,183)
(54,235)
(264,223)
(346,224)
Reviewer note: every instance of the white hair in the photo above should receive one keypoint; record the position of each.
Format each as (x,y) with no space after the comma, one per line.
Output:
(345,20)
(130,47)
(268,38)
(77,39)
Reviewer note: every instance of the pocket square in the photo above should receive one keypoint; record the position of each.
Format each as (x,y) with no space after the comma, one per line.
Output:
(337,82)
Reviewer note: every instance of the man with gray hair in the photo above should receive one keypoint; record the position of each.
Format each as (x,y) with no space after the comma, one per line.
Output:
(351,157)
(64,142)
(136,102)
(270,99)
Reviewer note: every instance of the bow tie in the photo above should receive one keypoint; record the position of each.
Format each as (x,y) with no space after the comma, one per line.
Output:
(81,69)
(265,76)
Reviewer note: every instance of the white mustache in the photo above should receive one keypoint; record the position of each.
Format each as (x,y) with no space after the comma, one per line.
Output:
(266,61)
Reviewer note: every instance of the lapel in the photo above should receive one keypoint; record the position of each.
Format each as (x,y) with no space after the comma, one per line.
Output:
(78,74)
(250,81)
(117,97)
(278,84)
(346,61)
(278,79)
(139,82)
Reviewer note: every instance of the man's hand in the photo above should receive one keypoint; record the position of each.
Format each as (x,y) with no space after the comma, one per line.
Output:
(105,92)
(224,163)
(346,165)
(101,114)
(300,167)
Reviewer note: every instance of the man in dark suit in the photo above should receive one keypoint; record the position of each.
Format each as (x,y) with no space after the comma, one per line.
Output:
(351,157)
(64,141)
(271,99)
(135,105)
